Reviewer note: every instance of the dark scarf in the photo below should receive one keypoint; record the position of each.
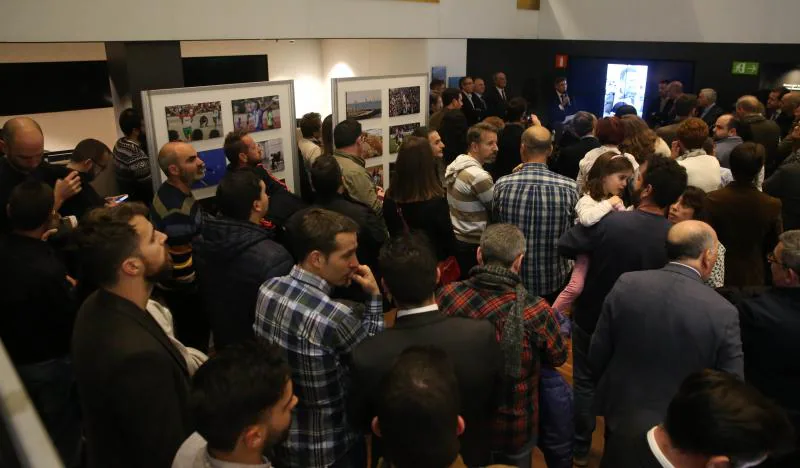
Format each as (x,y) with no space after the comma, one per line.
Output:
(503,279)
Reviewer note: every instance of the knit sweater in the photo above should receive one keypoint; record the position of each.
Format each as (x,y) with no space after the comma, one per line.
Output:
(470,191)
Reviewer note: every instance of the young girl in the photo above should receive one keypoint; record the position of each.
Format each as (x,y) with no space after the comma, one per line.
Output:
(605,183)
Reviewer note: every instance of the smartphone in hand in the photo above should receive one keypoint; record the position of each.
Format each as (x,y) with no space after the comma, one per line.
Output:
(117,199)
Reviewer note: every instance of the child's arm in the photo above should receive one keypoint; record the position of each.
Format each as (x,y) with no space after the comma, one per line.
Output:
(589,211)
(575,286)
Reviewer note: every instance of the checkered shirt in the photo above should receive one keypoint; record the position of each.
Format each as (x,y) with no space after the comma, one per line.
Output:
(542,204)
(318,335)
(489,295)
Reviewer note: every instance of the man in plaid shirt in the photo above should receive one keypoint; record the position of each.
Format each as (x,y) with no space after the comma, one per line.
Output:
(319,335)
(526,329)
(542,204)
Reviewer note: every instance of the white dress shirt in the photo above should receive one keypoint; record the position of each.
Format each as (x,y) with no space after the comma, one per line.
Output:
(417,310)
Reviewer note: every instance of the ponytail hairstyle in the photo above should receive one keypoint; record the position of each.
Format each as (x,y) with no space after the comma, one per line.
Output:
(607,164)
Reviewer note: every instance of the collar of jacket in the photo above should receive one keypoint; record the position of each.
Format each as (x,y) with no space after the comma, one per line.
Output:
(753,118)
(351,157)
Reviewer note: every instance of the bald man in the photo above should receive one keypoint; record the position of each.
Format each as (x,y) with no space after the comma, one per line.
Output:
(658,326)
(177,214)
(758,129)
(23,144)
(541,204)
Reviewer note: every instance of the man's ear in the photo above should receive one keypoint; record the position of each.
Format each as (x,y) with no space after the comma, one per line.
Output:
(132,266)
(516,267)
(254,436)
(376,426)
(460,427)
(719,461)
(480,256)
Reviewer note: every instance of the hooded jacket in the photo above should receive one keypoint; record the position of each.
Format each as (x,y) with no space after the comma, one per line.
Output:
(233,258)
(470,191)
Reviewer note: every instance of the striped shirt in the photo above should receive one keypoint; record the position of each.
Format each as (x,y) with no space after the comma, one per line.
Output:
(177,215)
(130,161)
(319,335)
(542,204)
(470,191)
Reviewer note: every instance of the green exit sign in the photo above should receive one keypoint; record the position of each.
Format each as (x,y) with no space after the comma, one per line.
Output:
(745,68)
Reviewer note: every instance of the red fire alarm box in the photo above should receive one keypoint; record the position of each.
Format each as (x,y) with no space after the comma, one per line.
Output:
(561,61)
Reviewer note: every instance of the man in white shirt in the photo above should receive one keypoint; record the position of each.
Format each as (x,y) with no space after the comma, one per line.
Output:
(311,132)
(715,420)
(241,404)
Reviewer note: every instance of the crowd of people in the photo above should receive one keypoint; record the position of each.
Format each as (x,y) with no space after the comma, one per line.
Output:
(426,322)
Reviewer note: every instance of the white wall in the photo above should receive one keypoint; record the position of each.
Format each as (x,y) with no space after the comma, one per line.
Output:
(117,20)
(742,21)
(451,53)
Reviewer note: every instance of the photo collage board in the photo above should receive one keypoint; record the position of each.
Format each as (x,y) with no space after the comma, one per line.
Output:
(203,116)
(389,109)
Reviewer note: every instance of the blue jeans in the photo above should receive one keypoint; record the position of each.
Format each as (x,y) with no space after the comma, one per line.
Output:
(51,388)
(583,386)
(556,428)
(521,459)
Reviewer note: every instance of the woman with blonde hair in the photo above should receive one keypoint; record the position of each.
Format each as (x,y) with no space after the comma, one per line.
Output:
(640,140)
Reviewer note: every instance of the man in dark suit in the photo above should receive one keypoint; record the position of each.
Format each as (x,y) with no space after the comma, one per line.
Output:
(479,90)
(496,96)
(608,244)
(707,106)
(789,104)
(766,132)
(561,105)
(410,277)
(568,157)
(452,125)
(472,107)
(132,381)
(658,105)
(643,346)
(714,420)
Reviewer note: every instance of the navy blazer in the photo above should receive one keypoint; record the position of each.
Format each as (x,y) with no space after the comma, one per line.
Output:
(656,328)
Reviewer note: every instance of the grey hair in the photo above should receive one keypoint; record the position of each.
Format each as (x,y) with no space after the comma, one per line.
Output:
(691,246)
(710,94)
(501,244)
(791,249)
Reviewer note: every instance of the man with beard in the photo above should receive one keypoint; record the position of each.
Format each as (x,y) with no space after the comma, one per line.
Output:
(244,153)
(132,381)
(89,159)
(242,403)
(621,242)
(177,214)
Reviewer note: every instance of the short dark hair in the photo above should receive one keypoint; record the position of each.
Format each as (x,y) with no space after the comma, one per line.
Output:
(696,199)
(625,109)
(667,177)
(236,193)
(197,134)
(30,205)
(316,229)
(781,90)
(417,410)
(583,123)
(516,109)
(746,161)
(214,133)
(89,149)
(346,133)
(310,123)
(327,135)
(105,239)
(129,120)
(462,80)
(610,131)
(684,104)
(692,133)
(422,132)
(436,82)
(559,79)
(476,131)
(234,388)
(449,95)
(172,135)
(408,265)
(715,413)
(234,146)
(326,176)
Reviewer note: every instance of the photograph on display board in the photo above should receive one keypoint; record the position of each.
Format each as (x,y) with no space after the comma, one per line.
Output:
(256,114)
(404,101)
(363,105)
(215,167)
(272,151)
(376,173)
(398,133)
(194,122)
(373,143)
(439,73)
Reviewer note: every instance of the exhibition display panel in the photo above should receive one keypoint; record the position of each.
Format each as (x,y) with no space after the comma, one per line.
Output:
(202,116)
(389,109)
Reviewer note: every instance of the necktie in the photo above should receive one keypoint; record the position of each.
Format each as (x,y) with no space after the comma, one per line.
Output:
(503,94)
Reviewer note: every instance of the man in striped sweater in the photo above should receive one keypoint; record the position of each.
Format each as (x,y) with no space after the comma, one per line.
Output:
(131,164)
(470,191)
(177,214)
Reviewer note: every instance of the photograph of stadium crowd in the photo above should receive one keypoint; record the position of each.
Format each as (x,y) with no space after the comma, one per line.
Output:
(256,114)
(373,143)
(376,173)
(404,101)
(398,133)
(272,151)
(363,105)
(194,122)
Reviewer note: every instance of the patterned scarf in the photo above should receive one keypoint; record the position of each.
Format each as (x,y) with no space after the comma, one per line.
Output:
(503,279)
